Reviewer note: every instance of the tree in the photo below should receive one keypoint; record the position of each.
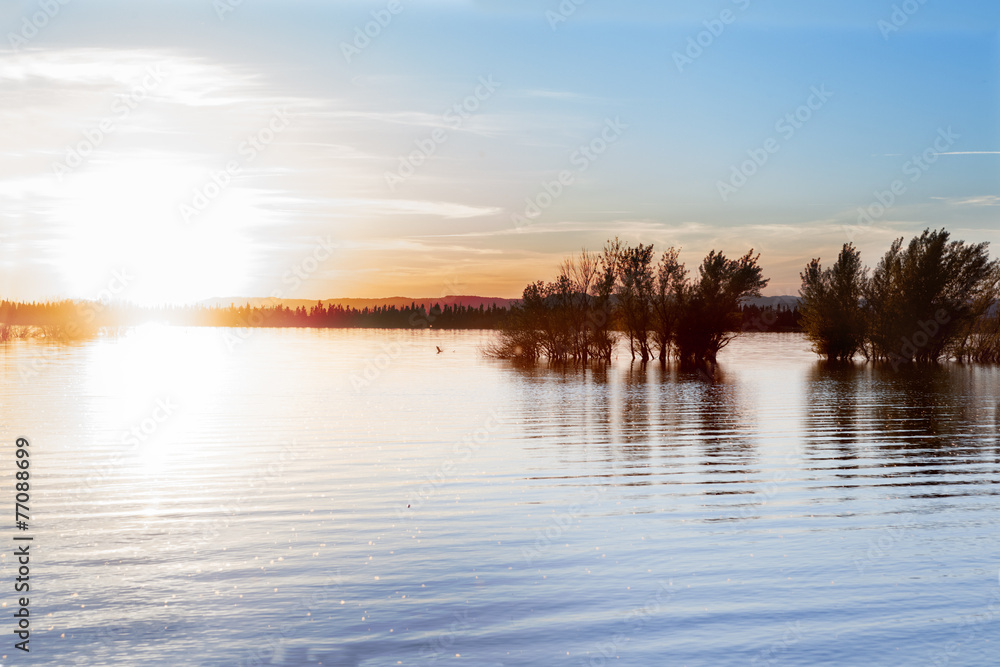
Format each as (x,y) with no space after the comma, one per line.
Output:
(666,298)
(602,306)
(517,337)
(831,305)
(925,300)
(581,273)
(982,342)
(710,308)
(635,291)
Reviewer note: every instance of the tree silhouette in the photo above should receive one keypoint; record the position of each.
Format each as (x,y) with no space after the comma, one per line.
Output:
(651,305)
(924,301)
(666,300)
(831,303)
(635,292)
(710,308)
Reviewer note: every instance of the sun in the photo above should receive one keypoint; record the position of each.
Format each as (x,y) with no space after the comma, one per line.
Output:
(125,237)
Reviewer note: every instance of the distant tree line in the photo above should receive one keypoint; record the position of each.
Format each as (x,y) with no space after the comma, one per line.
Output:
(627,292)
(778,318)
(414,316)
(934,299)
(76,319)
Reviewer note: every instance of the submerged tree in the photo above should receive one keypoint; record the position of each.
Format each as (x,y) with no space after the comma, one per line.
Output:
(925,301)
(831,305)
(709,309)
(580,274)
(601,322)
(575,318)
(569,319)
(517,337)
(635,291)
(982,342)
(666,300)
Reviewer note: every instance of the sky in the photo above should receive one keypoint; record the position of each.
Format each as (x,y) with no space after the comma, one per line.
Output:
(173,151)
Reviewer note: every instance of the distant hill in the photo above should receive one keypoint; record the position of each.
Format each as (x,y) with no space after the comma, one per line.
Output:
(360,304)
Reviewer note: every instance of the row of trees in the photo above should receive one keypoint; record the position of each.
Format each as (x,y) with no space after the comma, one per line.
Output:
(627,291)
(86,318)
(935,298)
(331,316)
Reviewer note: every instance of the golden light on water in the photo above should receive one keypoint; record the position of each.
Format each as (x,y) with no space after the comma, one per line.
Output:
(171,382)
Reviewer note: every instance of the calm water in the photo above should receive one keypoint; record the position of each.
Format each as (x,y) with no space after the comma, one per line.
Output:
(354,498)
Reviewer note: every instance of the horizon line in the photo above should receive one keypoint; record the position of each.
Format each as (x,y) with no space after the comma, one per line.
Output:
(241,300)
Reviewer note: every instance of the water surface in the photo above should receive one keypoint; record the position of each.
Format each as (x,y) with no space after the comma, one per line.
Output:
(296,497)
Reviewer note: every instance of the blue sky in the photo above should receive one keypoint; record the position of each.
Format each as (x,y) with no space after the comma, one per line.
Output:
(325,196)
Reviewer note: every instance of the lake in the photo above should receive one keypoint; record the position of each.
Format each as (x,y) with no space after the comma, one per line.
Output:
(326,497)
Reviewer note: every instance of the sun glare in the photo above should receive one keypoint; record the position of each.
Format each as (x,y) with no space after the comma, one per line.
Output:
(125,238)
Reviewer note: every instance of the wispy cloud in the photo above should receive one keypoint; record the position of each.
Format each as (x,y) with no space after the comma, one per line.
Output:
(93,71)
(983,200)
(553,94)
(414,246)
(390,207)
(946,153)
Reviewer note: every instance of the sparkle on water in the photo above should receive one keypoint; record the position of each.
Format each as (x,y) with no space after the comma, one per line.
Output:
(301,497)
